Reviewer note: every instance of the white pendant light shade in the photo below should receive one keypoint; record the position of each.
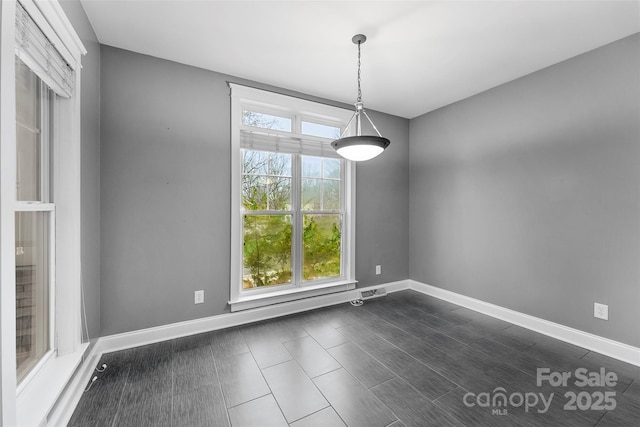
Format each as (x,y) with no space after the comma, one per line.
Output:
(360,147)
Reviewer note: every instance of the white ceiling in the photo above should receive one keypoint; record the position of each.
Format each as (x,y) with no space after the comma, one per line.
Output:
(419,56)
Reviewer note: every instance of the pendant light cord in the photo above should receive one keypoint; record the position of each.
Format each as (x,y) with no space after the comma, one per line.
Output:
(359,89)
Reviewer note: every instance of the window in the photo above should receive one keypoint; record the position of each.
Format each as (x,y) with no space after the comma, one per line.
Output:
(292,199)
(34,233)
(40,232)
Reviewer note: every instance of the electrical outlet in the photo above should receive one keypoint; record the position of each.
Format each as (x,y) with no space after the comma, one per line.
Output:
(600,311)
(378,269)
(198,297)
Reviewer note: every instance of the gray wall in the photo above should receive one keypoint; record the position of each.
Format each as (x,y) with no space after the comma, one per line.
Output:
(528,195)
(90,158)
(165,194)
(382,206)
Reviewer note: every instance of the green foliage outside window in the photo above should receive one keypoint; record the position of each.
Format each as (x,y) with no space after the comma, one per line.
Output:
(268,234)
(321,246)
(267,250)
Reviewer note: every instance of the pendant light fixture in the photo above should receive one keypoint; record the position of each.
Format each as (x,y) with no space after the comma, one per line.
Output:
(360,147)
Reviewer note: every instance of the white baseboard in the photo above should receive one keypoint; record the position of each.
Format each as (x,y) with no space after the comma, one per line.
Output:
(61,414)
(615,349)
(181,329)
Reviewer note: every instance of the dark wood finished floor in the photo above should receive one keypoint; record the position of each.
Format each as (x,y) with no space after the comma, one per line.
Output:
(403,360)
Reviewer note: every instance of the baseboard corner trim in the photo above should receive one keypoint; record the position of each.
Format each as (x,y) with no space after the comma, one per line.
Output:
(598,344)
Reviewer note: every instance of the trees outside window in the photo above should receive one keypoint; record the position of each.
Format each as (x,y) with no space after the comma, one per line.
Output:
(268,243)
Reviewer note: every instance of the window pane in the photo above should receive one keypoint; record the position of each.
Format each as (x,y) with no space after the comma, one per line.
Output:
(266,121)
(279,194)
(267,250)
(323,131)
(311,167)
(255,162)
(330,195)
(28,134)
(321,246)
(280,164)
(254,192)
(331,168)
(266,182)
(323,192)
(32,289)
(27,88)
(311,194)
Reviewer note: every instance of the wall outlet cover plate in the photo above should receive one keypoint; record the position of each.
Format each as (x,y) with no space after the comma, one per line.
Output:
(198,297)
(600,311)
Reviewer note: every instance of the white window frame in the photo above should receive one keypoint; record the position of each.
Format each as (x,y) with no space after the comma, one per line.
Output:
(31,403)
(247,98)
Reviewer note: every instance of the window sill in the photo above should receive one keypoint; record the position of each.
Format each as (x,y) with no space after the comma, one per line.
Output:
(38,397)
(276,297)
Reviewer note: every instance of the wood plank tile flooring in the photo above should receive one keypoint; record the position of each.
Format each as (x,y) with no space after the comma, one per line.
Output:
(403,360)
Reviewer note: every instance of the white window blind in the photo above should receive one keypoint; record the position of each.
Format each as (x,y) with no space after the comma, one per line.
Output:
(262,141)
(36,50)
